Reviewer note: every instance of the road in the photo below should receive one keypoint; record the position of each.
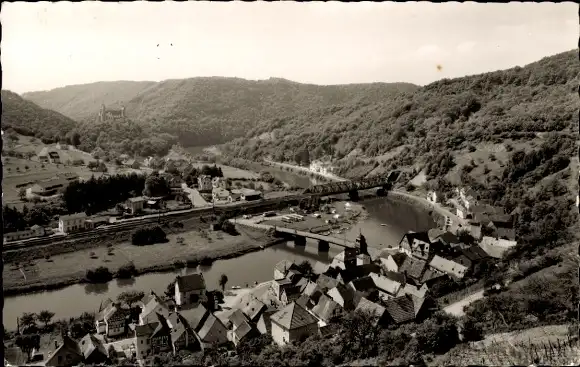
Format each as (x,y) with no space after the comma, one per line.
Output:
(456,308)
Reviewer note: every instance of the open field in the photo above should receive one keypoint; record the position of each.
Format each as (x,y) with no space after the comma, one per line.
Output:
(230,172)
(73,265)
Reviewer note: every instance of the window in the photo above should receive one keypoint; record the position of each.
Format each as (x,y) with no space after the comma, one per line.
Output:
(147,341)
(141,341)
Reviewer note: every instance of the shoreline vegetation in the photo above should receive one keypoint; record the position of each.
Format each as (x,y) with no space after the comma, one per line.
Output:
(194,261)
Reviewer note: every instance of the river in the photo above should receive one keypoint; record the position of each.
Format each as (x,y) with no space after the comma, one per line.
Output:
(253,267)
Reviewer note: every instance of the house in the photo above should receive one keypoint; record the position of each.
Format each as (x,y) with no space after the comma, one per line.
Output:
(290,294)
(195,316)
(204,183)
(281,269)
(34,231)
(244,330)
(313,291)
(320,267)
(264,325)
(413,269)
(467,196)
(136,204)
(235,319)
(374,309)
(343,295)
(449,239)
(152,305)
(363,259)
(54,157)
(219,182)
(93,350)
(213,332)
(412,290)
(449,267)
(326,309)
(48,187)
(110,114)
(364,286)
(321,167)
(292,323)
(94,222)
(254,310)
(66,353)
(496,247)
(416,244)
(461,211)
(280,285)
(152,338)
(403,309)
(502,229)
(190,290)
(72,223)
(182,334)
(345,259)
(326,283)
(250,195)
(393,262)
(112,320)
(388,288)
(43,155)
(434,196)
(220,194)
(471,255)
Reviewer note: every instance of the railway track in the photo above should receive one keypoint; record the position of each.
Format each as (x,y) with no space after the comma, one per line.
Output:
(140,222)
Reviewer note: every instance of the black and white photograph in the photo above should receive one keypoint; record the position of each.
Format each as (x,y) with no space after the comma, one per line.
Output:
(283,183)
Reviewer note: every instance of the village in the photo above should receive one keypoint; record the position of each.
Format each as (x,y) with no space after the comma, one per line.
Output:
(301,300)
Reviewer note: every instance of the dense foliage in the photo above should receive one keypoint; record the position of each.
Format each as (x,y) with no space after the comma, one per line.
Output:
(101,274)
(148,236)
(98,194)
(447,115)
(39,214)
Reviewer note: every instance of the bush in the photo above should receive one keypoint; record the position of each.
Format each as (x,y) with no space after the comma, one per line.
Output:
(99,275)
(127,271)
(148,236)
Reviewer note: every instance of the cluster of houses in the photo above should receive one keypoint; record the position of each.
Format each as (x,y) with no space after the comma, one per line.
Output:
(48,156)
(394,286)
(220,190)
(53,186)
(488,224)
(321,167)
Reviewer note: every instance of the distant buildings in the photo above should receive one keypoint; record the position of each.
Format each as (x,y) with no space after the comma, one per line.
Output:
(110,114)
(34,231)
(320,167)
(204,183)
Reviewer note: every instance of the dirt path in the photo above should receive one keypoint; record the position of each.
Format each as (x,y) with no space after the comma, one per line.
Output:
(456,308)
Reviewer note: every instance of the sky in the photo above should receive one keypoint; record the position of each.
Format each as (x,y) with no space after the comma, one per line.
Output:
(50,45)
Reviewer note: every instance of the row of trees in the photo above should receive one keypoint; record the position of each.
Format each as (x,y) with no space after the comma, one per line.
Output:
(39,214)
(148,236)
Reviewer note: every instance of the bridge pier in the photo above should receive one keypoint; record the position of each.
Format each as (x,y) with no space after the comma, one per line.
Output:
(299,241)
(323,246)
(353,195)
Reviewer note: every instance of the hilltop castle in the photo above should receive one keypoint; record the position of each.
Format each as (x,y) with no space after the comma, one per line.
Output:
(111,115)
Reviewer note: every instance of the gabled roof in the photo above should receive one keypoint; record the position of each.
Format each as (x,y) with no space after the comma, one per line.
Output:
(413,267)
(137,199)
(254,308)
(395,276)
(401,309)
(292,291)
(434,233)
(146,330)
(363,284)
(67,344)
(326,309)
(243,329)
(447,266)
(190,282)
(112,309)
(347,294)
(320,267)
(474,253)
(155,305)
(414,291)
(346,254)
(293,317)
(237,318)
(325,282)
(385,284)
(266,319)
(210,324)
(284,266)
(430,274)
(179,325)
(195,316)
(419,236)
(73,216)
(448,238)
(373,308)
(89,344)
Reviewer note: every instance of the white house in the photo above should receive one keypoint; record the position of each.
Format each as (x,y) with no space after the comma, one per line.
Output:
(449,267)
(292,323)
(323,168)
(190,290)
(72,223)
(34,231)
(434,196)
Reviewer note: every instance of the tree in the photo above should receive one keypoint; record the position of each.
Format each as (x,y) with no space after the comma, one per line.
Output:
(22,193)
(45,316)
(305,268)
(27,319)
(156,185)
(27,343)
(223,281)
(130,297)
(127,271)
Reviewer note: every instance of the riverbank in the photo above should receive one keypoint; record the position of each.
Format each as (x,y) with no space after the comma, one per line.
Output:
(183,250)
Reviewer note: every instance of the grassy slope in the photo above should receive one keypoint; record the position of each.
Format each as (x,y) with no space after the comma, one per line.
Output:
(203,111)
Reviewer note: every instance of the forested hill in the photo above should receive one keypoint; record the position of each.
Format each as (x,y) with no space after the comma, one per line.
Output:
(29,119)
(211,110)
(445,115)
(83,101)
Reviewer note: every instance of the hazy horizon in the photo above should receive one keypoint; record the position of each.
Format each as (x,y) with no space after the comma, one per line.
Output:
(52,45)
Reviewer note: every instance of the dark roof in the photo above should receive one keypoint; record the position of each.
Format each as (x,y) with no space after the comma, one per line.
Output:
(421,236)
(507,233)
(69,345)
(371,307)
(293,317)
(363,284)
(487,209)
(401,309)
(474,253)
(237,318)
(89,344)
(190,282)
(399,258)
(397,277)
(413,267)
(195,316)
(292,291)
(243,329)
(448,238)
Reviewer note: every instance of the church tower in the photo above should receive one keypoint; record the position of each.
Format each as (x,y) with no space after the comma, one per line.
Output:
(361,244)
